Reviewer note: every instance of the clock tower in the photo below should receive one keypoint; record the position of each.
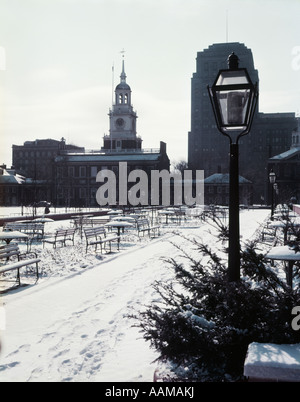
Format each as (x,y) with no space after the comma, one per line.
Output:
(122,120)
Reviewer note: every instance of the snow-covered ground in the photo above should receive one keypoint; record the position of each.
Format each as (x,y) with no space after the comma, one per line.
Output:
(73,324)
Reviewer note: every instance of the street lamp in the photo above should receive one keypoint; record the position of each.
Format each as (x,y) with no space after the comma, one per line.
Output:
(272,179)
(233,97)
(275,186)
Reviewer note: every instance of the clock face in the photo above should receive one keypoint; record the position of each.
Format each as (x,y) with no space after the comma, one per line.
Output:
(120,122)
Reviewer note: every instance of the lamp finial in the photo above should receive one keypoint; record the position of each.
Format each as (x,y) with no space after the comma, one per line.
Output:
(233,61)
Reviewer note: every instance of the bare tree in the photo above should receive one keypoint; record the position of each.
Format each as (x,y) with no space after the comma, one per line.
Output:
(180,165)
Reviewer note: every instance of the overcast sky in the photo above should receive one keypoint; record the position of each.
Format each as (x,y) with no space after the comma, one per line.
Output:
(56,59)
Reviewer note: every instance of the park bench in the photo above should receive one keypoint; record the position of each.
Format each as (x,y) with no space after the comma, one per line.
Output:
(61,236)
(33,229)
(81,221)
(12,250)
(100,221)
(268,233)
(98,235)
(84,221)
(143,225)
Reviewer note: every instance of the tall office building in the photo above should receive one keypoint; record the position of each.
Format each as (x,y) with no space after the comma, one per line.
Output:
(208,149)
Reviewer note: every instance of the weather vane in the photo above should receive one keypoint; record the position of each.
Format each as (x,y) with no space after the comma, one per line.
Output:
(123,52)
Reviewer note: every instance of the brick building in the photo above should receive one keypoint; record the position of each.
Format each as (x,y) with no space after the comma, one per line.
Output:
(75,173)
(286,166)
(216,190)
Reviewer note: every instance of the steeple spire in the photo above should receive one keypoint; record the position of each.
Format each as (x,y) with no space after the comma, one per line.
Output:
(123,75)
(123,91)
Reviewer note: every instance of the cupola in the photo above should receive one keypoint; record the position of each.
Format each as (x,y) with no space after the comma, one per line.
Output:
(123,91)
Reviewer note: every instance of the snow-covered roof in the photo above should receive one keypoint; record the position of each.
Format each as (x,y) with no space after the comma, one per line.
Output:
(223,178)
(9,177)
(286,155)
(108,158)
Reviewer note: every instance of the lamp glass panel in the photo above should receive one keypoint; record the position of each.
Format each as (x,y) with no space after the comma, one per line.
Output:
(232,77)
(233,106)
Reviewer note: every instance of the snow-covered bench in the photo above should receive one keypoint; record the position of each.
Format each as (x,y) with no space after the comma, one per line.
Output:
(60,236)
(268,362)
(99,221)
(88,221)
(35,230)
(98,235)
(143,225)
(12,250)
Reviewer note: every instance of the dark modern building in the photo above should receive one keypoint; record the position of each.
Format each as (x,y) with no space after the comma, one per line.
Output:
(208,149)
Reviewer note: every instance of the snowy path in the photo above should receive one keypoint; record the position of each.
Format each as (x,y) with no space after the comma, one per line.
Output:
(75,328)
(78,324)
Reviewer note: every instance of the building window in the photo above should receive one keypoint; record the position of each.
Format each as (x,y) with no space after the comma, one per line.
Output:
(82,171)
(287,171)
(94,171)
(70,192)
(60,192)
(82,192)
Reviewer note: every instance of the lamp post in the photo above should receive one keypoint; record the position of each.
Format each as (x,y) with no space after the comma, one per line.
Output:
(272,179)
(275,186)
(233,97)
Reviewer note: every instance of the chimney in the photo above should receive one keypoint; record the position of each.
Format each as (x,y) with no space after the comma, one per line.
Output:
(163,147)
